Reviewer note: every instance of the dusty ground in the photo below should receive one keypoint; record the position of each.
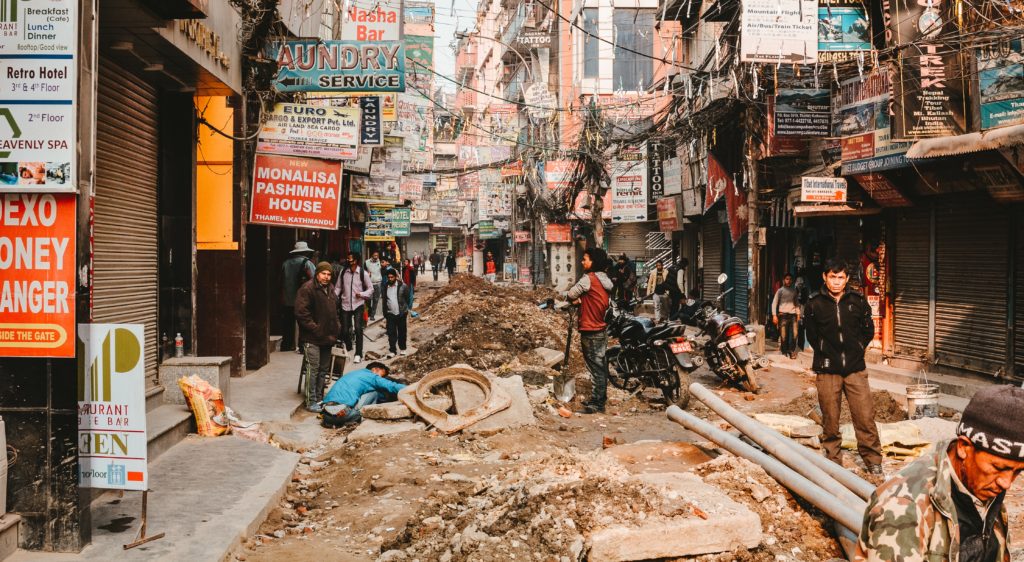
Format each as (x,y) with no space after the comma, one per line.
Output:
(531,493)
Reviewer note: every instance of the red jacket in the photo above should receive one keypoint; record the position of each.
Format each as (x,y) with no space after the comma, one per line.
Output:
(592,290)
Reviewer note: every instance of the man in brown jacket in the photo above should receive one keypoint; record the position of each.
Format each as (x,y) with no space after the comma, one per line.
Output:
(316,310)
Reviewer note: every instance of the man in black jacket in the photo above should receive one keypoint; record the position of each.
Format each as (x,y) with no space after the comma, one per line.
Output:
(395,303)
(316,309)
(839,329)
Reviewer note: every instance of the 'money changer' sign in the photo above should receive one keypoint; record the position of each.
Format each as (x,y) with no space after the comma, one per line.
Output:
(340,66)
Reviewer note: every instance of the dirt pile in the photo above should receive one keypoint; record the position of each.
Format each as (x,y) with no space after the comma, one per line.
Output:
(792,531)
(539,510)
(887,408)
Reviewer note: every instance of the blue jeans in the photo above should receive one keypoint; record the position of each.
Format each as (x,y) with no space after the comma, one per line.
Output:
(351,414)
(595,347)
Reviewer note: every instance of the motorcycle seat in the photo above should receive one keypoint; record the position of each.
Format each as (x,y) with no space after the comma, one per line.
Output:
(662,331)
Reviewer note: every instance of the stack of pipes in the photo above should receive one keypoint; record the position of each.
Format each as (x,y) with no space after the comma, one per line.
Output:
(837,492)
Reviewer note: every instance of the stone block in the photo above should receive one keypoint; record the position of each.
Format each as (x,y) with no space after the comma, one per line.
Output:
(729,525)
(370,429)
(550,357)
(399,411)
(520,413)
(214,370)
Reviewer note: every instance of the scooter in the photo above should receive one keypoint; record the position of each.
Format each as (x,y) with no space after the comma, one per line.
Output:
(727,349)
(649,355)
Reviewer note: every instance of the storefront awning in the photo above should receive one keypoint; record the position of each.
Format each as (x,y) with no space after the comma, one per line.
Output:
(804,211)
(967,144)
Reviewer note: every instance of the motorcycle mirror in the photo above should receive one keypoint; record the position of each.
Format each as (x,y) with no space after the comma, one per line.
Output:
(722,278)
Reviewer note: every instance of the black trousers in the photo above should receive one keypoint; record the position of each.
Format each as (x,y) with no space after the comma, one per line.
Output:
(397,326)
(288,327)
(352,328)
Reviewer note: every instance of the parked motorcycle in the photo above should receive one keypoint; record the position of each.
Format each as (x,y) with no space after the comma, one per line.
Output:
(649,355)
(727,349)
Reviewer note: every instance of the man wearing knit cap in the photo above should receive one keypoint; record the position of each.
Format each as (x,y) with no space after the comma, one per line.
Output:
(948,505)
(316,310)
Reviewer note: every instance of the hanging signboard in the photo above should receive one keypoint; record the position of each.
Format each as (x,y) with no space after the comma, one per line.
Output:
(540,102)
(371,128)
(388,101)
(882,190)
(822,190)
(803,113)
(525,275)
(861,120)
(487,230)
(655,172)
(533,39)
(929,80)
(1001,84)
(401,221)
(670,214)
(521,236)
(558,174)
(844,30)
(629,186)
(673,176)
(779,31)
(557,233)
(340,66)
(38,117)
(294,129)
(37,275)
(296,192)
(411,188)
(372,20)
(378,224)
(112,450)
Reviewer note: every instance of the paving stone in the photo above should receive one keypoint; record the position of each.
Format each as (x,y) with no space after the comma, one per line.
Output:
(729,525)
(520,413)
(369,429)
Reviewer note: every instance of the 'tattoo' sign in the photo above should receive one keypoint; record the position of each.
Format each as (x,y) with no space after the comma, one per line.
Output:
(372,20)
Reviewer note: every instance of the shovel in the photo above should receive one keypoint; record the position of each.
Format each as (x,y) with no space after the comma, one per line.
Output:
(564,386)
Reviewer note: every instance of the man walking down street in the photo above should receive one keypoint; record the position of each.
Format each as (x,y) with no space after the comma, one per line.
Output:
(948,504)
(295,271)
(449,264)
(786,315)
(409,275)
(353,289)
(396,309)
(435,263)
(656,286)
(839,328)
(373,267)
(349,394)
(591,292)
(316,309)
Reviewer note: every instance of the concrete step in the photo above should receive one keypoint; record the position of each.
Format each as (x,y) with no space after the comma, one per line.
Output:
(154,397)
(9,528)
(167,425)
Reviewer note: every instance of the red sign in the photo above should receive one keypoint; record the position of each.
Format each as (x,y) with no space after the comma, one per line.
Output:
(558,174)
(37,275)
(882,190)
(558,233)
(296,192)
(858,147)
(521,236)
(718,182)
(512,169)
(669,213)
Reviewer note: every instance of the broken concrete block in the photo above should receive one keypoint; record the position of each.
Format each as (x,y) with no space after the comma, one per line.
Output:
(549,357)
(729,525)
(539,395)
(399,411)
(520,413)
(370,429)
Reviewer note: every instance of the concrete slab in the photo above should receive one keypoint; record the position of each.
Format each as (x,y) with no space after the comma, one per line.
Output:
(370,429)
(549,357)
(207,495)
(10,524)
(729,525)
(270,392)
(297,436)
(657,456)
(520,413)
(214,370)
(399,411)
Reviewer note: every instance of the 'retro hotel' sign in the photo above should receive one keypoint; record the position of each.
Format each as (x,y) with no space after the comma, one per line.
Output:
(295,192)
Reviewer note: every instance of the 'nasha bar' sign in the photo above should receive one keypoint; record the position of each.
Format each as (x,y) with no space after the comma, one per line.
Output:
(372,20)
(295,192)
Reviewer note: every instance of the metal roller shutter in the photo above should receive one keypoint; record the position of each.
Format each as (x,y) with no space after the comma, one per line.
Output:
(971,286)
(1018,321)
(739,280)
(711,251)
(125,288)
(910,283)
(629,238)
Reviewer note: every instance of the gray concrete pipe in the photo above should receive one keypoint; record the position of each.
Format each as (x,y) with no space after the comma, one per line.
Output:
(848,516)
(776,447)
(855,483)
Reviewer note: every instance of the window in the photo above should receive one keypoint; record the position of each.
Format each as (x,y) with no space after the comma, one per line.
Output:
(591,43)
(634,30)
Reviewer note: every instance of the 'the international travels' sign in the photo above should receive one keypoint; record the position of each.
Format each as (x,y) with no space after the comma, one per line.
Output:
(295,192)
(37,275)
(822,190)
(112,407)
(340,66)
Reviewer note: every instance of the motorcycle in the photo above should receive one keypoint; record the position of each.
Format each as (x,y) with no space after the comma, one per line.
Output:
(727,349)
(649,355)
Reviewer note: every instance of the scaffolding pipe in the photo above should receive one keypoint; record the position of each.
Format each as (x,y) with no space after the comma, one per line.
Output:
(855,483)
(849,516)
(776,447)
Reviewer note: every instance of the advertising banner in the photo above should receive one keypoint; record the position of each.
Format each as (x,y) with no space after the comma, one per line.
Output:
(629,186)
(558,174)
(487,230)
(929,79)
(411,188)
(533,39)
(670,213)
(38,124)
(861,120)
(372,20)
(673,176)
(557,233)
(822,190)
(803,113)
(388,101)
(655,172)
(37,275)
(371,128)
(294,129)
(378,224)
(112,407)
(779,31)
(1001,84)
(844,30)
(375,190)
(340,66)
(521,236)
(295,191)
(581,207)
(882,190)
(401,221)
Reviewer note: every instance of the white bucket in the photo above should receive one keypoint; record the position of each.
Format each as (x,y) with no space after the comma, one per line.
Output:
(922,401)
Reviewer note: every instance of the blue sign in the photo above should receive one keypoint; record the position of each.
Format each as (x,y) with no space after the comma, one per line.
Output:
(1001,83)
(340,66)
(843,28)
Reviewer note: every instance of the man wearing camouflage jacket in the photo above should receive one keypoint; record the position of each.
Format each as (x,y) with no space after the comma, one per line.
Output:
(948,505)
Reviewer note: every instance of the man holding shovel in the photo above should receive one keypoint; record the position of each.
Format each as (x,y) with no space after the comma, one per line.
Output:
(591,294)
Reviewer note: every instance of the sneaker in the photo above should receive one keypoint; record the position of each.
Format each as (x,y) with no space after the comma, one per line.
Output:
(390,355)
(315,408)
(793,355)
(357,359)
(403,352)
(876,470)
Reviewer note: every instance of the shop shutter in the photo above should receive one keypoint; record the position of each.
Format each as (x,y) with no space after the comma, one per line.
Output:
(711,250)
(971,243)
(628,238)
(1018,321)
(847,232)
(739,281)
(910,283)
(126,248)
